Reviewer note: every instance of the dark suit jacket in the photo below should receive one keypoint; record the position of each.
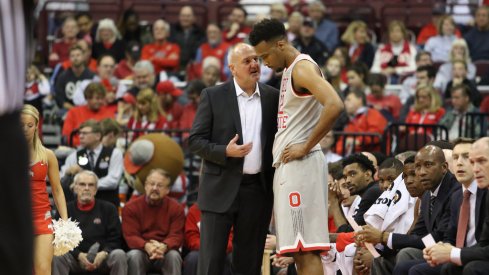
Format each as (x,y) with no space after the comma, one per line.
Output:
(480,251)
(216,122)
(437,225)
(456,204)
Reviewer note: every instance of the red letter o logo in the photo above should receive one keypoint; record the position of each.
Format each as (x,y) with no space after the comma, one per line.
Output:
(295,199)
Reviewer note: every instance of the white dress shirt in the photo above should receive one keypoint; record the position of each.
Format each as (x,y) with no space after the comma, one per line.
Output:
(116,168)
(250,114)
(470,238)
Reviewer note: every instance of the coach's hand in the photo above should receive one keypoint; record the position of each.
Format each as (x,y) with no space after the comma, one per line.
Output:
(293,152)
(237,151)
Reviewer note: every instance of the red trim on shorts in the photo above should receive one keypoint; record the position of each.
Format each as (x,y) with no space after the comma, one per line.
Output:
(300,247)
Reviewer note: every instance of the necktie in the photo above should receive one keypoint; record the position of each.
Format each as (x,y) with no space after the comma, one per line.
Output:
(432,204)
(463,220)
(91,159)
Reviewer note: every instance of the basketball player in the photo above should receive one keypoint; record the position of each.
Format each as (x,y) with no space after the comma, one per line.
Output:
(15,200)
(308,108)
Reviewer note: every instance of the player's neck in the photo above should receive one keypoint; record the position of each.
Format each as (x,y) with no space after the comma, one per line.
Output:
(290,56)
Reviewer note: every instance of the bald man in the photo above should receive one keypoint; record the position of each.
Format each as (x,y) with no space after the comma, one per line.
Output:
(233,132)
(432,170)
(475,259)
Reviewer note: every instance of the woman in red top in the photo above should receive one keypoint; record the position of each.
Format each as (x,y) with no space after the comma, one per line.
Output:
(43,163)
(148,114)
(427,109)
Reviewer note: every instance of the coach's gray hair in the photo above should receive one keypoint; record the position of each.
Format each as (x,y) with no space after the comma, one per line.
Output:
(86,172)
(165,25)
(144,64)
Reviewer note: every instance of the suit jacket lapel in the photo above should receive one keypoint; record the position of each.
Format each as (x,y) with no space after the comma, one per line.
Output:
(478,204)
(441,197)
(234,109)
(265,115)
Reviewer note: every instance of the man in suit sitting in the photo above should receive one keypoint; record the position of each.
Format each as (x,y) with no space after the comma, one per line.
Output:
(233,133)
(475,259)
(466,211)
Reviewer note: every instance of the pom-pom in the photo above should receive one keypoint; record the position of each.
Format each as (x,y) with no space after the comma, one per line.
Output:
(67,236)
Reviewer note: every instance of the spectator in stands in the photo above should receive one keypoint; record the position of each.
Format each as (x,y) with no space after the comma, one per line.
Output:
(427,109)
(148,114)
(211,71)
(342,54)
(111,132)
(425,75)
(94,109)
(105,162)
(423,58)
(60,51)
(459,51)
(192,243)
(131,31)
(189,110)
(439,45)
(214,47)
(332,73)
(309,44)
(326,30)
(125,109)
(237,31)
(455,119)
(469,260)
(90,63)
(144,77)
(358,76)
(168,96)
(294,24)
(397,56)
(279,12)
(326,142)
(460,77)
(125,68)
(478,36)
(361,119)
(105,75)
(68,80)
(383,103)
(87,29)
(188,35)
(360,49)
(432,171)
(36,88)
(153,228)
(431,29)
(100,250)
(108,41)
(164,55)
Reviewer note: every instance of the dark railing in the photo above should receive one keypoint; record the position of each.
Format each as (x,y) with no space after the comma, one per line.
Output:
(360,142)
(400,137)
(474,125)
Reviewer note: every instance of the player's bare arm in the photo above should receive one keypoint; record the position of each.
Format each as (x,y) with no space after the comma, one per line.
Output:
(307,78)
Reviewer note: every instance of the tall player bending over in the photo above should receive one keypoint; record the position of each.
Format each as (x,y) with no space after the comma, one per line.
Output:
(308,108)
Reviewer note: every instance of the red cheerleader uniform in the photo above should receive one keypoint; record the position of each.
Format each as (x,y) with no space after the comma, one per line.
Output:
(41,208)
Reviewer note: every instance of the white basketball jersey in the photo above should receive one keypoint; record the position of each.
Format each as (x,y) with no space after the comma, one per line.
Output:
(298,113)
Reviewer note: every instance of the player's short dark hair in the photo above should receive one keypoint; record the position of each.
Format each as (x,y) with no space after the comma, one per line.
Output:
(335,169)
(462,87)
(83,14)
(361,160)
(410,159)
(442,144)
(267,30)
(463,140)
(380,157)
(391,163)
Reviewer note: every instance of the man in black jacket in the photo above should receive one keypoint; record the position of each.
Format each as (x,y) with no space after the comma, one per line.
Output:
(233,132)
(99,222)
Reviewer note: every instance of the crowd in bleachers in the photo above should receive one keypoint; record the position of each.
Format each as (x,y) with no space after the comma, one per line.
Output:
(400,91)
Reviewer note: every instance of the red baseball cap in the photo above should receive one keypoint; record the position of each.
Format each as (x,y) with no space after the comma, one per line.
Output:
(167,87)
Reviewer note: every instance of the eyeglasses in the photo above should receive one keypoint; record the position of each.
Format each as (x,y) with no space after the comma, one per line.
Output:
(157,184)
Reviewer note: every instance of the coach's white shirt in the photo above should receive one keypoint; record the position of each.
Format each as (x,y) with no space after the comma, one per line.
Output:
(251,120)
